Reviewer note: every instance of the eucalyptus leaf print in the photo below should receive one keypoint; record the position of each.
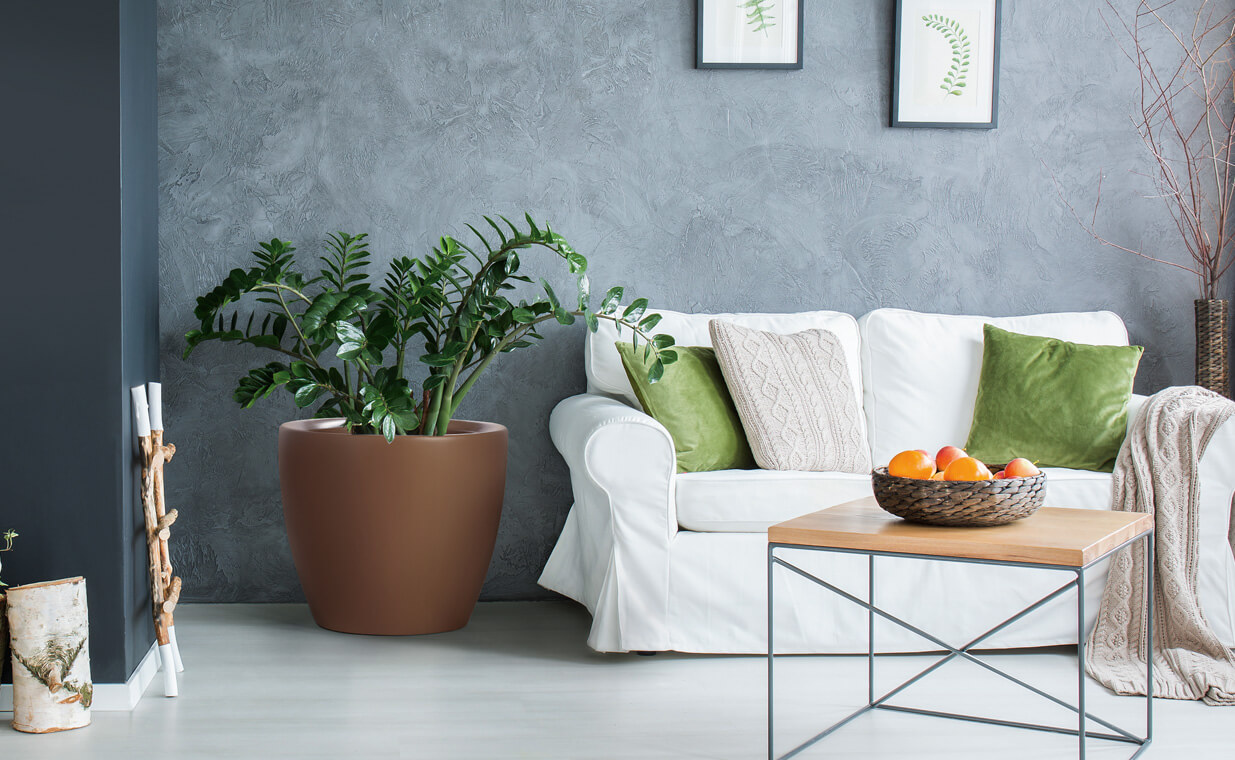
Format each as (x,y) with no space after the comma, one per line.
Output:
(954,33)
(758,14)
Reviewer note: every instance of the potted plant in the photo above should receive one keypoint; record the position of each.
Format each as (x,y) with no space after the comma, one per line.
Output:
(391,503)
(1186,75)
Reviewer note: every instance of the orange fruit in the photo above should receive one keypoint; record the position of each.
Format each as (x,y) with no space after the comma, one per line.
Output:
(967,468)
(947,455)
(911,464)
(937,476)
(1021,468)
(1001,475)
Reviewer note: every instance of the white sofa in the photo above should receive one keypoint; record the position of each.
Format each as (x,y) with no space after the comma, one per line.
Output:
(668,561)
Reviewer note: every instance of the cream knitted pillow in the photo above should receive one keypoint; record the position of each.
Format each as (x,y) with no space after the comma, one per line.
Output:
(795,398)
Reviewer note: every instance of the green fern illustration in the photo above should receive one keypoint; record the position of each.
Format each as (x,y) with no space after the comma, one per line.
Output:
(954,33)
(757,14)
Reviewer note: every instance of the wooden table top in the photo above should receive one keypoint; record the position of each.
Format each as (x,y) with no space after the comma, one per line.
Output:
(1052,536)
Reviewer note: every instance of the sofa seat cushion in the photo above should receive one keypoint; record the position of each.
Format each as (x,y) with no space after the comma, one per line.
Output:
(750,501)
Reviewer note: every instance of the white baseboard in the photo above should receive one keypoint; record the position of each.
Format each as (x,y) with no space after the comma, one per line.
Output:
(113,697)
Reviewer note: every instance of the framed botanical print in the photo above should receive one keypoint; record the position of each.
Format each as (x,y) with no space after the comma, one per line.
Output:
(945,66)
(749,34)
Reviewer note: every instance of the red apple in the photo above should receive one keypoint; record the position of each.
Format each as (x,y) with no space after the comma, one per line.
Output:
(1021,468)
(946,456)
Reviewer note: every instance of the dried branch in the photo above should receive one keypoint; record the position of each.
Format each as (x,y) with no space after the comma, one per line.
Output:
(1186,120)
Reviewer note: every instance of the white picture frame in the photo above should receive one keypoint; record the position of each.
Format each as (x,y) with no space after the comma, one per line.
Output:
(945,64)
(749,34)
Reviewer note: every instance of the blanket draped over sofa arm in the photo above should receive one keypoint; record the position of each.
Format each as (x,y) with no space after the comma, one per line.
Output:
(1157,472)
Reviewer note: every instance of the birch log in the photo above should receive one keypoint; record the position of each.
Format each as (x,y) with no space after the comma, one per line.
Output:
(49,624)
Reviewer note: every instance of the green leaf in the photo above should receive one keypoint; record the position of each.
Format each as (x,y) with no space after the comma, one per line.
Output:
(585,292)
(552,296)
(611,300)
(635,310)
(260,383)
(437,360)
(348,332)
(307,394)
(348,351)
(593,322)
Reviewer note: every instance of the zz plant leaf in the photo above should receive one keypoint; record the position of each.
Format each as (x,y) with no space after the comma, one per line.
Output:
(345,341)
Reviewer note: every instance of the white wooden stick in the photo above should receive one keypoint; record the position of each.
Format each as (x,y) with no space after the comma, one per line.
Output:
(168,662)
(155,393)
(171,634)
(141,411)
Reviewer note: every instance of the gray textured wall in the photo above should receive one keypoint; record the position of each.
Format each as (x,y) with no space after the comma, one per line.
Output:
(706,191)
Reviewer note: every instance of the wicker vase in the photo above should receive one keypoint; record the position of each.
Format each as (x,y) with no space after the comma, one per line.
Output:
(1213,359)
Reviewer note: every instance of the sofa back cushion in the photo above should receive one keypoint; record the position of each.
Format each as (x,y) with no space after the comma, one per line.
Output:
(920,371)
(605,373)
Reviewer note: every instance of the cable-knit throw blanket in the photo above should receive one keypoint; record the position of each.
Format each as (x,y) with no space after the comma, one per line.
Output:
(1156,472)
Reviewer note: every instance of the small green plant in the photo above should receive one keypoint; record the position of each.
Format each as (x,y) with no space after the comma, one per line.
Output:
(954,33)
(348,342)
(7,537)
(757,14)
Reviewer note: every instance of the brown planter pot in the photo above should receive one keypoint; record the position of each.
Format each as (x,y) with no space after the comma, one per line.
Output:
(1213,358)
(391,538)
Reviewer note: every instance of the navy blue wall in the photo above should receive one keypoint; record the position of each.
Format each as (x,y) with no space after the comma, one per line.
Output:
(80,304)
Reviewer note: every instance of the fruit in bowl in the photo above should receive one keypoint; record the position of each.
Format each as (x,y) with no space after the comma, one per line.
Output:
(952,463)
(967,468)
(947,455)
(953,488)
(915,464)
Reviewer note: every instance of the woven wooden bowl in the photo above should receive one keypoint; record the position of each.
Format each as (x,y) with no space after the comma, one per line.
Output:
(959,502)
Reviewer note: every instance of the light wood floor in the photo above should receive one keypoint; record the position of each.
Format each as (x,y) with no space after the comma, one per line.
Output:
(519,682)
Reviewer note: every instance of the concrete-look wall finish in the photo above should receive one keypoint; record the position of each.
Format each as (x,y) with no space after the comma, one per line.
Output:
(702,190)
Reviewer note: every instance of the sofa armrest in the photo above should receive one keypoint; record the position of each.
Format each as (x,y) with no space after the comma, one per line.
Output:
(614,551)
(1216,478)
(626,454)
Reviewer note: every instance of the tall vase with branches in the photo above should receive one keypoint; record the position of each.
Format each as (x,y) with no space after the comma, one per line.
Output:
(1185,118)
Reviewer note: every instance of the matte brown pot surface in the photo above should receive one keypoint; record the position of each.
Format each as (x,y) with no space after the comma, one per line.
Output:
(391,538)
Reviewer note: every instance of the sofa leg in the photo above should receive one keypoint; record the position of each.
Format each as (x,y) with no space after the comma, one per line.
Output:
(642,653)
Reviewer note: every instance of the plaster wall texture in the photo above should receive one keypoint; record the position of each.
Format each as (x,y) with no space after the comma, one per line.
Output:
(702,190)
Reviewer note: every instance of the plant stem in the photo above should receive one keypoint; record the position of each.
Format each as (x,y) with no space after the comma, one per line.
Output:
(430,428)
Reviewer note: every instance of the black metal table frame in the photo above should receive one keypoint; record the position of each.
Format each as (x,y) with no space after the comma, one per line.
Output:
(1078,582)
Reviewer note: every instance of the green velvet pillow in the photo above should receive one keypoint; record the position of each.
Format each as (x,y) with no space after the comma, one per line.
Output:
(693,403)
(1055,403)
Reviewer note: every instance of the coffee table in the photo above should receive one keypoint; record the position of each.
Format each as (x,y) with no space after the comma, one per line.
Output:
(1067,540)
